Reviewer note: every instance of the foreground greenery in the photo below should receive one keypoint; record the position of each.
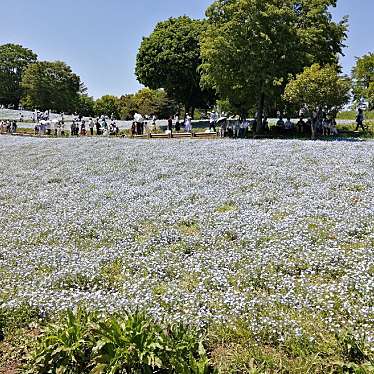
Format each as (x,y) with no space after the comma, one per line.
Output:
(88,342)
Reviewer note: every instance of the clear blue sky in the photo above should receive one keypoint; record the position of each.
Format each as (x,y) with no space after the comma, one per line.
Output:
(99,38)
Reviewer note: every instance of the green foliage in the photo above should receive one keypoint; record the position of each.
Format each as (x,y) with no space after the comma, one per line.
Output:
(363,79)
(50,85)
(319,88)
(18,318)
(86,106)
(148,102)
(14,59)
(107,105)
(87,342)
(251,47)
(170,58)
(128,107)
(65,347)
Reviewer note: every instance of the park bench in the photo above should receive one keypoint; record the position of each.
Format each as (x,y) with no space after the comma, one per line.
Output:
(144,136)
(205,135)
(182,135)
(160,136)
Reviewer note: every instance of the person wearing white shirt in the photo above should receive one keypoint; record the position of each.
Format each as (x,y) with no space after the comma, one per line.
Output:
(188,123)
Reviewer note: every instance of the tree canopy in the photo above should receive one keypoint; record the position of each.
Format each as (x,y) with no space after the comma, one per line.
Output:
(319,88)
(363,79)
(14,59)
(147,102)
(252,47)
(51,85)
(86,105)
(107,105)
(170,58)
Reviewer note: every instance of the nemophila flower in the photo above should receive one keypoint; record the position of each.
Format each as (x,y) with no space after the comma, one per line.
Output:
(272,232)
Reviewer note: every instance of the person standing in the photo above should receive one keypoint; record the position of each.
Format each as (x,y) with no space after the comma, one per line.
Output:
(360,120)
(188,123)
(72,128)
(83,128)
(14,127)
(177,124)
(223,129)
(91,126)
(133,129)
(170,124)
(62,126)
(104,125)
(98,126)
(213,121)
(58,129)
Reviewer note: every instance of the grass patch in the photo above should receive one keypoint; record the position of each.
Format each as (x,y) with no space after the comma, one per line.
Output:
(189,228)
(351,115)
(227,207)
(235,349)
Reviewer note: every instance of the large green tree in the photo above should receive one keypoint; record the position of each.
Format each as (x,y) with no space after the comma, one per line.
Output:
(319,89)
(363,80)
(107,105)
(251,47)
(51,85)
(170,59)
(86,105)
(14,59)
(148,102)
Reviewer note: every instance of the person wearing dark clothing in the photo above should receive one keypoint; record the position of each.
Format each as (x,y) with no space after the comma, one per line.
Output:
(14,127)
(177,124)
(138,128)
(133,129)
(360,120)
(83,128)
(170,124)
(301,126)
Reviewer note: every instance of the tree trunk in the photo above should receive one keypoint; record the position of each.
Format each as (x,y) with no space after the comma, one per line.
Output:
(315,121)
(260,112)
(192,112)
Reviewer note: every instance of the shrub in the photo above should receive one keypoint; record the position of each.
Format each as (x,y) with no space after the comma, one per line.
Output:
(86,342)
(65,346)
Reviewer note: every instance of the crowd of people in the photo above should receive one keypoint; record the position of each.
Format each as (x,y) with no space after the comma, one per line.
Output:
(322,127)
(7,126)
(140,124)
(78,127)
(233,127)
(94,126)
